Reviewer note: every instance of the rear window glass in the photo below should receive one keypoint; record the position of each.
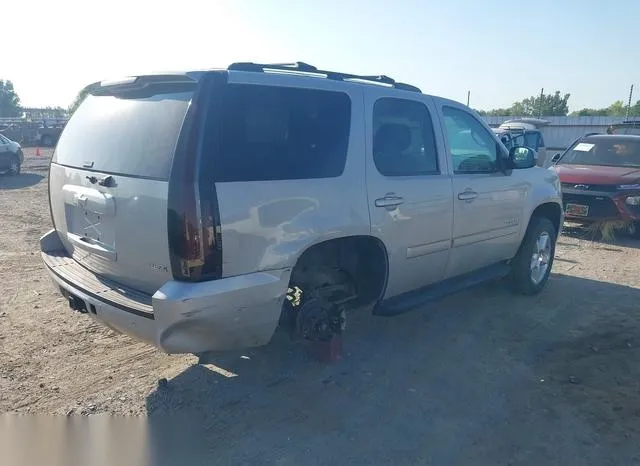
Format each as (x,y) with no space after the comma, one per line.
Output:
(279,133)
(403,140)
(533,140)
(135,137)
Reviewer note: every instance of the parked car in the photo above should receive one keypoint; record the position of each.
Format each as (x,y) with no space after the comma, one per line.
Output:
(47,136)
(286,197)
(600,175)
(11,156)
(33,132)
(525,133)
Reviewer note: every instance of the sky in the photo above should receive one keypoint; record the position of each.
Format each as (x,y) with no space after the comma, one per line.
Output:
(500,51)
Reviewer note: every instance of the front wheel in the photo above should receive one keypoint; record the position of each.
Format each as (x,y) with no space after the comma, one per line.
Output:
(531,267)
(14,166)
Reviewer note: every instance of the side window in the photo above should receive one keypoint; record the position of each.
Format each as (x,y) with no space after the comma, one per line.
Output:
(403,138)
(518,140)
(532,140)
(278,133)
(473,149)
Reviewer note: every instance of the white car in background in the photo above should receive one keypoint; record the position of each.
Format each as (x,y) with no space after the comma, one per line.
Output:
(525,133)
(11,156)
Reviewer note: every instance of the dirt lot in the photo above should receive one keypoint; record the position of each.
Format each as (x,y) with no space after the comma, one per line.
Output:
(482,377)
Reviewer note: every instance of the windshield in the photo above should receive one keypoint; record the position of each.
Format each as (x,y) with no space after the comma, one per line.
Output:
(611,152)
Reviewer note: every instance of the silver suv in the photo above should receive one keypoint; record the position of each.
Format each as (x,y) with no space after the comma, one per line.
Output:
(199,211)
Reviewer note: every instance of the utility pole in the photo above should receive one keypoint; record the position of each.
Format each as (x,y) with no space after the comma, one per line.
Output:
(629,104)
(540,106)
(468,97)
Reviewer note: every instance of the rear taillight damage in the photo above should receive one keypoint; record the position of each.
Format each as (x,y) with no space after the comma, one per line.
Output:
(195,244)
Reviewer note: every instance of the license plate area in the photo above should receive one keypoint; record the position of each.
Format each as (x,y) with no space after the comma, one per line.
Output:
(77,304)
(92,226)
(90,214)
(578,210)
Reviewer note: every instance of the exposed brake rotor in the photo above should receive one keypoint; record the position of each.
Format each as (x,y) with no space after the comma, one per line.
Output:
(320,320)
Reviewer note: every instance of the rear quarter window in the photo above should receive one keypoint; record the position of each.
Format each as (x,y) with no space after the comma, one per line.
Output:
(278,133)
(128,136)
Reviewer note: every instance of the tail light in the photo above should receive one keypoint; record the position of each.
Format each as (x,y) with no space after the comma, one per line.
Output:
(195,240)
(53,221)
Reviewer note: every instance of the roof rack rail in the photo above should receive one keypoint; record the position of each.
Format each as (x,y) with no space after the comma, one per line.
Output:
(591,134)
(302,67)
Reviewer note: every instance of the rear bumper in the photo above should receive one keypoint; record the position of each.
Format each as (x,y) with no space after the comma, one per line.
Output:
(230,313)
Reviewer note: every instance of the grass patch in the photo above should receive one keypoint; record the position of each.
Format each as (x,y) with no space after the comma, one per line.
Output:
(607,230)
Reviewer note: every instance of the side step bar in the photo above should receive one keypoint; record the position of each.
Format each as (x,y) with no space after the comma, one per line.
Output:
(416,298)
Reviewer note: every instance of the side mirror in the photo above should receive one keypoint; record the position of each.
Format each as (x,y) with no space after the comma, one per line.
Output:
(522,157)
(555,158)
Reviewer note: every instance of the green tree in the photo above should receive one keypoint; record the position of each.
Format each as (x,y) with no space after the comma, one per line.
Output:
(499,112)
(616,109)
(544,105)
(591,112)
(9,100)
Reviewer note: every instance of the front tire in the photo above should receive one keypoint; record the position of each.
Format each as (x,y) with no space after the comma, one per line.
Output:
(14,167)
(531,267)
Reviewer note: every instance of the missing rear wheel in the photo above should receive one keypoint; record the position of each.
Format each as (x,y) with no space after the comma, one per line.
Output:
(320,320)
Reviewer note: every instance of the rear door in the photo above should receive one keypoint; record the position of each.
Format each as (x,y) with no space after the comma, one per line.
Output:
(409,189)
(109,179)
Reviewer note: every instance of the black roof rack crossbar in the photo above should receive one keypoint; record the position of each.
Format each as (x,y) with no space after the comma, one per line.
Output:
(306,68)
(297,66)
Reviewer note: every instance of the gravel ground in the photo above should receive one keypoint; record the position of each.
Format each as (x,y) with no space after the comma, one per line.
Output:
(482,377)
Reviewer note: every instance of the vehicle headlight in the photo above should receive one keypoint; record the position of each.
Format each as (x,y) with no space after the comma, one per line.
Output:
(623,187)
(633,200)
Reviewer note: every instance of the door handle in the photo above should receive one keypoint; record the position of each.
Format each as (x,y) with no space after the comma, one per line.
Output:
(389,201)
(467,195)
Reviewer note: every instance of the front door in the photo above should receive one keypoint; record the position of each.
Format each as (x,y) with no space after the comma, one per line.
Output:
(409,190)
(488,203)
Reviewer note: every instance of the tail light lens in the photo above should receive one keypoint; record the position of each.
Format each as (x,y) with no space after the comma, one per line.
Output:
(53,221)
(195,242)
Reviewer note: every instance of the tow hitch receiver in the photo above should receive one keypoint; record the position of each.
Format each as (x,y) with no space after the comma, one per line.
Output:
(77,304)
